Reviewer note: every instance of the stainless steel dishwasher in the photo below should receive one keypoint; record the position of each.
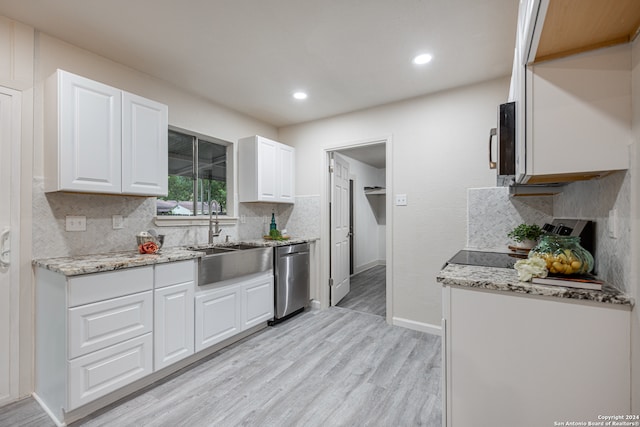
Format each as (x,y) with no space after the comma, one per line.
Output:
(291,280)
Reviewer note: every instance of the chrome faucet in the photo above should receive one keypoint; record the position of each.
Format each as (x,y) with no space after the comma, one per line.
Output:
(213,233)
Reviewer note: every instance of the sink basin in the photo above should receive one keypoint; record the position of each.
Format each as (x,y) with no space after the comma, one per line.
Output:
(243,246)
(224,263)
(213,251)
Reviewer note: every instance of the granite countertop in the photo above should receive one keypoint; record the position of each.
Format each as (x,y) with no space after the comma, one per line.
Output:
(261,242)
(506,279)
(96,263)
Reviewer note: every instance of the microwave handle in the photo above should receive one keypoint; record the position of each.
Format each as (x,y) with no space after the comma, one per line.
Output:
(492,133)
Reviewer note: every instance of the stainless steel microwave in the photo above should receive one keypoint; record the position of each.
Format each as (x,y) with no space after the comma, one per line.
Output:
(502,156)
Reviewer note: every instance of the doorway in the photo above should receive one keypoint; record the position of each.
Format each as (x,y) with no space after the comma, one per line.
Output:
(370,237)
(10,113)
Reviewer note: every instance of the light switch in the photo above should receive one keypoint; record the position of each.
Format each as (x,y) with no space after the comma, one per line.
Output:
(75,223)
(118,221)
(401,200)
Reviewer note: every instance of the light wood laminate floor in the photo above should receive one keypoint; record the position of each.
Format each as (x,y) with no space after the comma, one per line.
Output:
(368,292)
(334,367)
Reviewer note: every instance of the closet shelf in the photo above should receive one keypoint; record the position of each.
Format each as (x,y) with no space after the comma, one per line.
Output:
(375,191)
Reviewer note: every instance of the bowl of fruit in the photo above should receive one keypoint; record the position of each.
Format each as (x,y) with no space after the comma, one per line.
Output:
(563,255)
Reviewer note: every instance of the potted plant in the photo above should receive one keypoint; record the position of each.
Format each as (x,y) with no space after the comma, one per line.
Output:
(525,235)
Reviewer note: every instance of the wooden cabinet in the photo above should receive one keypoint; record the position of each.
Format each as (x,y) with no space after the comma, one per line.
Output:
(573,113)
(173,314)
(266,171)
(512,359)
(104,140)
(232,307)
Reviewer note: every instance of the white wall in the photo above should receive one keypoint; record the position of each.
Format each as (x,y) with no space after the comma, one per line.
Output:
(28,57)
(186,110)
(368,215)
(439,150)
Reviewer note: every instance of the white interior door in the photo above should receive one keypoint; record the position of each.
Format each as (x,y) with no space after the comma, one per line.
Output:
(339,229)
(9,226)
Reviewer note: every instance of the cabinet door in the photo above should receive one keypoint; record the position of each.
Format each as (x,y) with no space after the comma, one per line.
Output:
(506,353)
(257,301)
(285,171)
(267,178)
(90,128)
(218,316)
(173,324)
(144,146)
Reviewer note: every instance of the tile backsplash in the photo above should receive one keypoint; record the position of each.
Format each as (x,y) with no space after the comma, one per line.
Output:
(492,214)
(50,239)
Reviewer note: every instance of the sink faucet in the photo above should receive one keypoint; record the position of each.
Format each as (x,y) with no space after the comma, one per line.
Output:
(213,233)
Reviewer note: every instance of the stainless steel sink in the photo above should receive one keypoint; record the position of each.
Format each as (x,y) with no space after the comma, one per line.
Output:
(224,263)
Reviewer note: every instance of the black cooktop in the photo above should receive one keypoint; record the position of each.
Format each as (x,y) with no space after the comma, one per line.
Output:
(486,259)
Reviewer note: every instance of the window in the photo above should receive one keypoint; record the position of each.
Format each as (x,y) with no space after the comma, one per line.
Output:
(197,176)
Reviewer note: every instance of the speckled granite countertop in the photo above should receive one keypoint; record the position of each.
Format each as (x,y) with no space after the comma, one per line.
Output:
(96,263)
(506,279)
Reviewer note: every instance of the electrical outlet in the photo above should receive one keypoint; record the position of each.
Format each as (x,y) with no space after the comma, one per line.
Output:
(118,222)
(612,224)
(76,223)
(401,200)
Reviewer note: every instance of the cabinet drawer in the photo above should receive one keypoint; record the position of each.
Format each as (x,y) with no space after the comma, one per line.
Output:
(96,326)
(99,373)
(101,286)
(174,273)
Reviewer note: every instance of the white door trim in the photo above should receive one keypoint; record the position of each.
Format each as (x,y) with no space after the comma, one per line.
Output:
(325,215)
(14,268)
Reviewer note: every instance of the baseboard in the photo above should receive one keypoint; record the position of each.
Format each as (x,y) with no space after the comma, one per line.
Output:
(418,326)
(48,411)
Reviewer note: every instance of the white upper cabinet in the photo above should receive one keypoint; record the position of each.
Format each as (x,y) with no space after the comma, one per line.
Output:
(144,146)
(266,170)
(573,97)
(105,140)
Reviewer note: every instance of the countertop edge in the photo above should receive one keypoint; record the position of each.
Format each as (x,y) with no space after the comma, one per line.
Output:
(506,280)
(112,261)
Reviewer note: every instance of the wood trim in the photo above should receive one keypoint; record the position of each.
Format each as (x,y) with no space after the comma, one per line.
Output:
(574,26)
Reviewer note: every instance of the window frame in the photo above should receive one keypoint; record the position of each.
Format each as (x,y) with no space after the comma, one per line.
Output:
(187,220)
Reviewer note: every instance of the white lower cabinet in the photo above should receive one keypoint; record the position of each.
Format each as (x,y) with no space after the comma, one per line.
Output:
(173,315)
(236,306)
(217,316)
(173,332)
(97,333)
(516,360)
(257,301)
(104,371)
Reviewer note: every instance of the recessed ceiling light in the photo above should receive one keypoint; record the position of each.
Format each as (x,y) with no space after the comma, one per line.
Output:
(300,95)
(422,59)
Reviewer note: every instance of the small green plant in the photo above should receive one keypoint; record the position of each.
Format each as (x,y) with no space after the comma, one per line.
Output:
(525,232)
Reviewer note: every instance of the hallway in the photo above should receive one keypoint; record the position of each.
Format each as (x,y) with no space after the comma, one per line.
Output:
(368,292)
